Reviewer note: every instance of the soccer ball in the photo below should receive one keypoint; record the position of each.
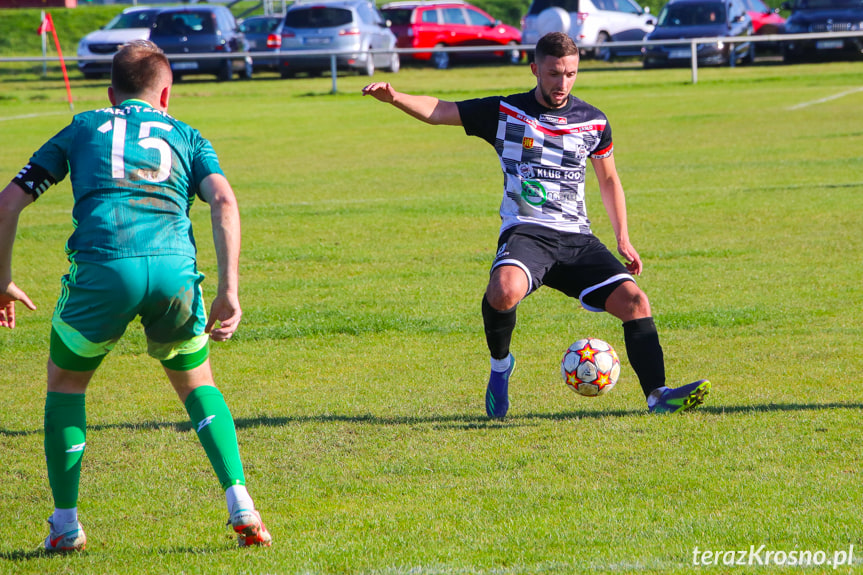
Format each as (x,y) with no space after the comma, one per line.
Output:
(590,367)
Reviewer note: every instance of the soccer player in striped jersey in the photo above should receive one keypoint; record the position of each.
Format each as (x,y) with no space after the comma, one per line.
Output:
(135,172)
(544,139)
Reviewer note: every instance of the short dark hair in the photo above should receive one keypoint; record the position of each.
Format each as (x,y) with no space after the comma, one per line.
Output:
(557,45)
(137,67)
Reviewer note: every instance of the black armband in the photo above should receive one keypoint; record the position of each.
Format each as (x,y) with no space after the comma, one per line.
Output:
(34,180)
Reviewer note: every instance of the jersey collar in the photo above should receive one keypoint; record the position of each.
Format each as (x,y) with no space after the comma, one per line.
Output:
(135,102)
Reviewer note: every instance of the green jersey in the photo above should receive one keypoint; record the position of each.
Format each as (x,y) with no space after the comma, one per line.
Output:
(135,172)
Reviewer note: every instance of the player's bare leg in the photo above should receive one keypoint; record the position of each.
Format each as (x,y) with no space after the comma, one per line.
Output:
(507,286)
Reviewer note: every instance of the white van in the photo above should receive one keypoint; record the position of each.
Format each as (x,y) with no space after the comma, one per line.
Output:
(130,24)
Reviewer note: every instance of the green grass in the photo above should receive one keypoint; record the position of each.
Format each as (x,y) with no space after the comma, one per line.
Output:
(357,376)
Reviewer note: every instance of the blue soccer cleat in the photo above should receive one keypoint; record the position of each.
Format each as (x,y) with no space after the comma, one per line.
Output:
(676,399)
(497,392)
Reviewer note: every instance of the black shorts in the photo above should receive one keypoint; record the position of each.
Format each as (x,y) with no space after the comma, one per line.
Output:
(579,265)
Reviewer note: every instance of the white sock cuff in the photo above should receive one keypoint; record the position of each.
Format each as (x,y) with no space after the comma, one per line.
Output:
(63,516)
(237,497)
(501,365)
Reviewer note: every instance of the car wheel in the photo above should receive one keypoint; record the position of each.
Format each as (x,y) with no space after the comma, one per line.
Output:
(369,68)
(602,52)
(226,72)
(440,59)
(750,54)
(395,63)
(512,55)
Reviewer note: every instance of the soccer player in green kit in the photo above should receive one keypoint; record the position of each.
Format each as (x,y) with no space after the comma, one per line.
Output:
(135,172)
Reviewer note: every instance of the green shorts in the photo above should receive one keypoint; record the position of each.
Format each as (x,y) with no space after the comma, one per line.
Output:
(99,299)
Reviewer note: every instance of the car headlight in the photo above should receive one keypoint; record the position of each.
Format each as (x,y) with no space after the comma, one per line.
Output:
(793,28)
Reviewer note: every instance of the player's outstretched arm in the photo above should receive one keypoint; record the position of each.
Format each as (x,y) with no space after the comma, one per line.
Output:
(12,201)
(225,217)
(429,109)
(614,200)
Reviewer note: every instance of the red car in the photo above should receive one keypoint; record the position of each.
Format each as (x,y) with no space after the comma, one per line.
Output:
(765,20)
(419,24)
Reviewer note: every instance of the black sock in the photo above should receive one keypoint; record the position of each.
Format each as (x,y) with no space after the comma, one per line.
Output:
(645,353)
(499,326)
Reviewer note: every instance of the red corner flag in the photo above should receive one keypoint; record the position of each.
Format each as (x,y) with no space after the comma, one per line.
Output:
(47,25)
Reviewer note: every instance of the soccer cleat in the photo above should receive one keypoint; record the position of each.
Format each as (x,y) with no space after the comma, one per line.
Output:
(675,399)
(69,537)
(250,528)
(497,392)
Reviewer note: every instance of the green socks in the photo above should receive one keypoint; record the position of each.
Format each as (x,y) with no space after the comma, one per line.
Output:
(65,438)
(214,425)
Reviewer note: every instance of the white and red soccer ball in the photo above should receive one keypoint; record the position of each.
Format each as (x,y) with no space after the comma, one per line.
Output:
(590,367)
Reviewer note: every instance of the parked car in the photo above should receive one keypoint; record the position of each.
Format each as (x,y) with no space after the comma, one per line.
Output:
(590,23)
(263,33)
(765,20)
(351,27)
(419,24)
(823,16)
(130,24)
(202,29)
(682,19)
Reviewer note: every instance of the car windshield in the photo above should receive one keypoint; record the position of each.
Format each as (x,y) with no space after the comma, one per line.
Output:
(398,16)
(184,24)
(539,5)
(676,15)
(827,4)
(318,17)
(136,19)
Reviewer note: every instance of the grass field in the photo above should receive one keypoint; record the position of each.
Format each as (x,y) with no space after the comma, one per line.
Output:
(357,376)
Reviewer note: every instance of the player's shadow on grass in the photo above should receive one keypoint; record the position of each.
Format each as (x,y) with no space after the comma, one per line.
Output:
(456,420)
(481,421)
(23,555)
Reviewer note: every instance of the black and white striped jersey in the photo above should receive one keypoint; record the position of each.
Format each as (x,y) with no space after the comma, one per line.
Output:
(543,154)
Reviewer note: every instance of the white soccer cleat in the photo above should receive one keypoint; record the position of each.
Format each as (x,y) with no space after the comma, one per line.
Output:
(250,528)
(67,538)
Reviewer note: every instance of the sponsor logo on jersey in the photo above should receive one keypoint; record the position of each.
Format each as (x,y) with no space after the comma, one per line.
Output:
(527,143)
(552,119)
(533,192)
(559,174)
(525,170)
(581,152)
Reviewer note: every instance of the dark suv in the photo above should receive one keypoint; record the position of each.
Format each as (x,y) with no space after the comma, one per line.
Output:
(202,30)
(823,16)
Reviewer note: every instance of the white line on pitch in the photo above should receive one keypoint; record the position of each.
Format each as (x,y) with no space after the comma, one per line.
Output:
(827,99)
(26,116)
